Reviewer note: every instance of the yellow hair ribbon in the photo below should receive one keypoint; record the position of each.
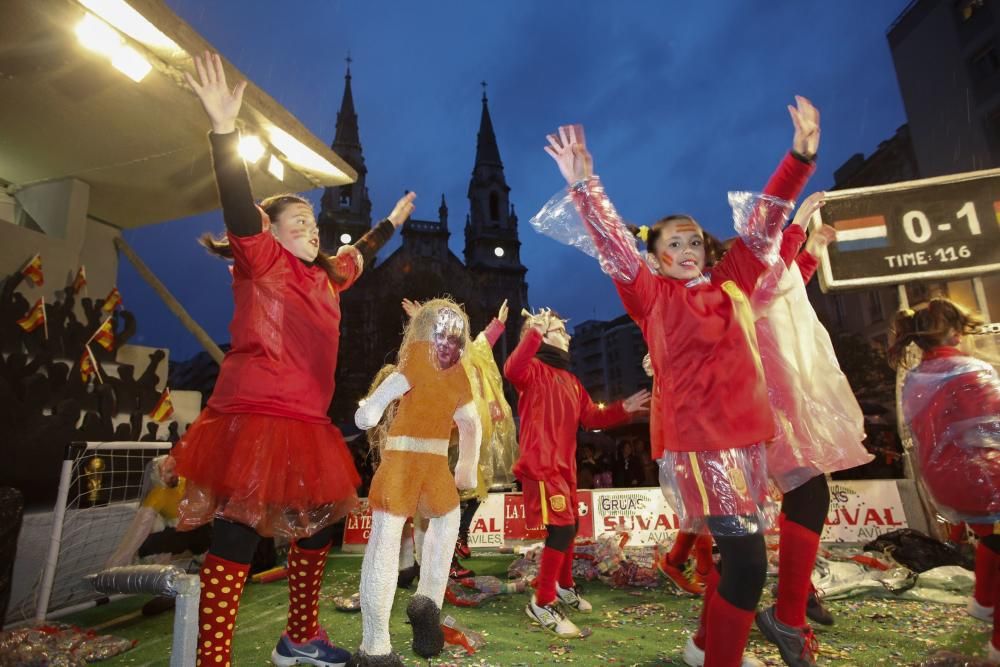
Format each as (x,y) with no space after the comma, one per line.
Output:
(644,234)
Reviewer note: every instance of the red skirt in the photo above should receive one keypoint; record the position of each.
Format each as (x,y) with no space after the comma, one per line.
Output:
(281,476)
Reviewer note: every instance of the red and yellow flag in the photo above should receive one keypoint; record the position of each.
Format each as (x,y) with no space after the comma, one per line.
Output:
(105,336)
(164,407)
(33,270)
(80,281)
(35,318)
(112,301)
(88,366)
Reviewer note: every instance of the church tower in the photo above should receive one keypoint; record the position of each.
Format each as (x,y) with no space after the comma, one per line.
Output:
(492,247)
(345,211)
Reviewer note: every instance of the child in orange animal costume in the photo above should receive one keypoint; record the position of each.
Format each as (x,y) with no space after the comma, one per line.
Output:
(433,391)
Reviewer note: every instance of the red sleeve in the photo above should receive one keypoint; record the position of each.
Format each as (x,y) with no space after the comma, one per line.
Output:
(808,263)
(739,265)
(791,241)
(348,262)
(789,178)
(517,369)
(596,418)
(493,331)
(255,255)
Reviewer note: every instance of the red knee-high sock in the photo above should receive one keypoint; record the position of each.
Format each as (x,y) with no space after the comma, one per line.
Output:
(711,585)
(566,571)
(996,596)
(221,588)
(728,630)
(987,570)
(682,548)
(797,549)
(305,575)
(703,555)
(548,572)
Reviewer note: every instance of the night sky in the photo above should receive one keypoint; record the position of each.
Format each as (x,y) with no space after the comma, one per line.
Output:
(682,102)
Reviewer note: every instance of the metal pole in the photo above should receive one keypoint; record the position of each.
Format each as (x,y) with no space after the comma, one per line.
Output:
(981,303)
(52,559)
(172,303)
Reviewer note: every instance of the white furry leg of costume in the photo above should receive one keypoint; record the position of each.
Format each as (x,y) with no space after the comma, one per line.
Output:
(378,582)
(419,533)
(435,558)
(406,547)
(424,610)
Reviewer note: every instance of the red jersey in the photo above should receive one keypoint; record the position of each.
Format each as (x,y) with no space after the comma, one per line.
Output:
(285,332)
(709,391)
(951,403)
(552,405)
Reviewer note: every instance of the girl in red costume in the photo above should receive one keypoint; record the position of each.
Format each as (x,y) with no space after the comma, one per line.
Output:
(553,405)
(263,459)
(710,415)
(951,404)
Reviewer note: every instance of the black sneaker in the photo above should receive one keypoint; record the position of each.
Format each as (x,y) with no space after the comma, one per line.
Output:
(816,611)
(798,646)
(425,618)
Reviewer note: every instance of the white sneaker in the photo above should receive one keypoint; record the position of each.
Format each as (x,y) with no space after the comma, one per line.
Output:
(570,598)
(695,657)
(976,610)
(553,620)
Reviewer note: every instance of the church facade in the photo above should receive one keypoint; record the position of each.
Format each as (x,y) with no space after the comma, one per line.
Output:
(423,267)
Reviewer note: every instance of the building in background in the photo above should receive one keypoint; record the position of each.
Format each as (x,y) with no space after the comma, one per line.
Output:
(607,357)
(423,267)
(947,59)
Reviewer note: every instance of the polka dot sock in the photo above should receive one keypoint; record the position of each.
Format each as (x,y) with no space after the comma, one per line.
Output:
(305,575)
(221,588)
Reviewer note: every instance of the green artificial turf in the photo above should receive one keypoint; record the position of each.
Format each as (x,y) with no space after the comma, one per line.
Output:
(630,627)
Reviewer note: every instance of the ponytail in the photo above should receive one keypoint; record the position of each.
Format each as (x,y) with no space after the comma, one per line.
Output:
(272,207)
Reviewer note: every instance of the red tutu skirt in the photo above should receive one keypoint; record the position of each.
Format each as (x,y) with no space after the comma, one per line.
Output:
(282,477)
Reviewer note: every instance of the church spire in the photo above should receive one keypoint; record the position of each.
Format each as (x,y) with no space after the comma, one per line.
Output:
(487,152)
(347,135)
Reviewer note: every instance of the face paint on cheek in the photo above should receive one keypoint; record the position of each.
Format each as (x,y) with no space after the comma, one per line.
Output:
(667,260)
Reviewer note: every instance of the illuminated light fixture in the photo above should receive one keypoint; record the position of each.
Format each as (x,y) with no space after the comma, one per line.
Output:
(301,155)
(98,36)
(251,149)
(130,62)
(498,251)
(345,238)
(123,17)
(275,168)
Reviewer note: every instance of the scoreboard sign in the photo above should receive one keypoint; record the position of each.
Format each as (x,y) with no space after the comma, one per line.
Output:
(935,228)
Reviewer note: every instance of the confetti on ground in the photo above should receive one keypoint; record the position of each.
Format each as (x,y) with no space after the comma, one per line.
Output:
(647,628)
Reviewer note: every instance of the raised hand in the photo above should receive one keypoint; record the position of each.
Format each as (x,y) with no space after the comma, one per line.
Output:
(221,104)
(805,118)
(819,239)
(402,210)
(410,308)
(569,149)
(807,208)
(502,315)
(637,402)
